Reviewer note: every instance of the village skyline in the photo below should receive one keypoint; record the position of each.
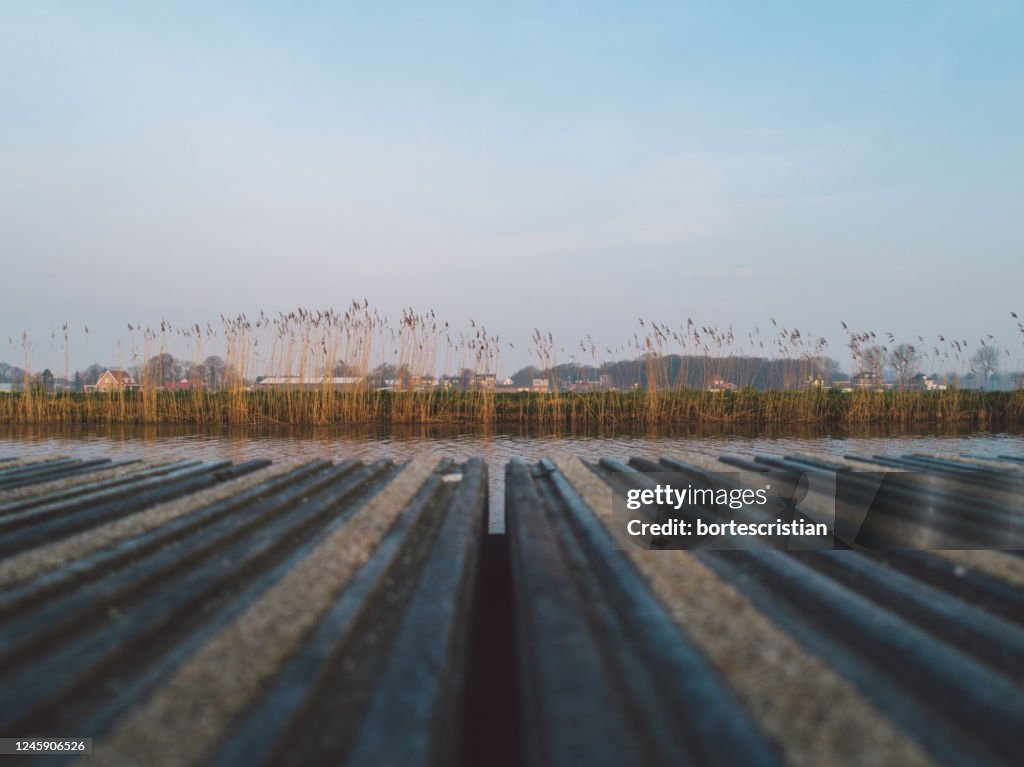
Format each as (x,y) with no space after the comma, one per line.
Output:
(900,369)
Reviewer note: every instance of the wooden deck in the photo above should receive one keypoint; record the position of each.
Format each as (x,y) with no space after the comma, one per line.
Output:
(355,613)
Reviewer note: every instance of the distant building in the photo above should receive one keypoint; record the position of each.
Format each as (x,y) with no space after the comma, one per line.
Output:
(816,382)
(867,381)
(306,382)
(114,380)
(583,385)
(508,386)
(422,383)
(485,381)
(409,383)
(921,382)
(541,385)
(720,384)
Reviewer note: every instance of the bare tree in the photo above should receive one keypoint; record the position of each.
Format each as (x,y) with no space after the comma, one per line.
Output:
(903,360)
(873,360)
(212,372)
(160,370)
(345,369)
(92,374)
(986,362)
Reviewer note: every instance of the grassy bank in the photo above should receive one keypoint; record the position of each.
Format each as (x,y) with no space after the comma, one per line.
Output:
(664,375)
(324,407)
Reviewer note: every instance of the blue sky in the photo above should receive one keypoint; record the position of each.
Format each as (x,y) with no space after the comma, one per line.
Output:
(567,166)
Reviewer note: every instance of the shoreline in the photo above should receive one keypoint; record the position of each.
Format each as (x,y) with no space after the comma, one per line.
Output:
(328,407)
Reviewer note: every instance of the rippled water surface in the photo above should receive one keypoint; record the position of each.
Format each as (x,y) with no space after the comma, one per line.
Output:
(497,448)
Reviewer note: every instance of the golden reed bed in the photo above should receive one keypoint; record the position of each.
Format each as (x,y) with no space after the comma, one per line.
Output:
(328,406)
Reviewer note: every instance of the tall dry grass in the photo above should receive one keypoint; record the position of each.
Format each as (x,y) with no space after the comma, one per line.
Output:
(667,377)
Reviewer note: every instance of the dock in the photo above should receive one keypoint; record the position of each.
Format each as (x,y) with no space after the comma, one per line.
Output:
(259,613)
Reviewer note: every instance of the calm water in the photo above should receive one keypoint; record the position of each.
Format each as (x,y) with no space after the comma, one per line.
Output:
(151,443)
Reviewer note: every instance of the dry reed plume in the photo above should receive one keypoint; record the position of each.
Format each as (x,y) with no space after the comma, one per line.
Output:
(396,374)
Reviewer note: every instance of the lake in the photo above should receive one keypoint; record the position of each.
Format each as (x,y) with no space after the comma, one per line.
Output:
(153,443)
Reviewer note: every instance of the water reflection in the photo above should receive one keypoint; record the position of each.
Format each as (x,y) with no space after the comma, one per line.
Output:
(496,446)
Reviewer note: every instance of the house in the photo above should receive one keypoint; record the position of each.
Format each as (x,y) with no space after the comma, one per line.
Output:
(422,383)
(867,381)
(485,381)
(583,385)
(509,386)
(115,380)
(816,382)
(406,383)
(720,384)
(921,382)
(541,385)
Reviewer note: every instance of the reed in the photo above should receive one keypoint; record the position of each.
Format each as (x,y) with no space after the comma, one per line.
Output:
(421,371)
(571,411)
